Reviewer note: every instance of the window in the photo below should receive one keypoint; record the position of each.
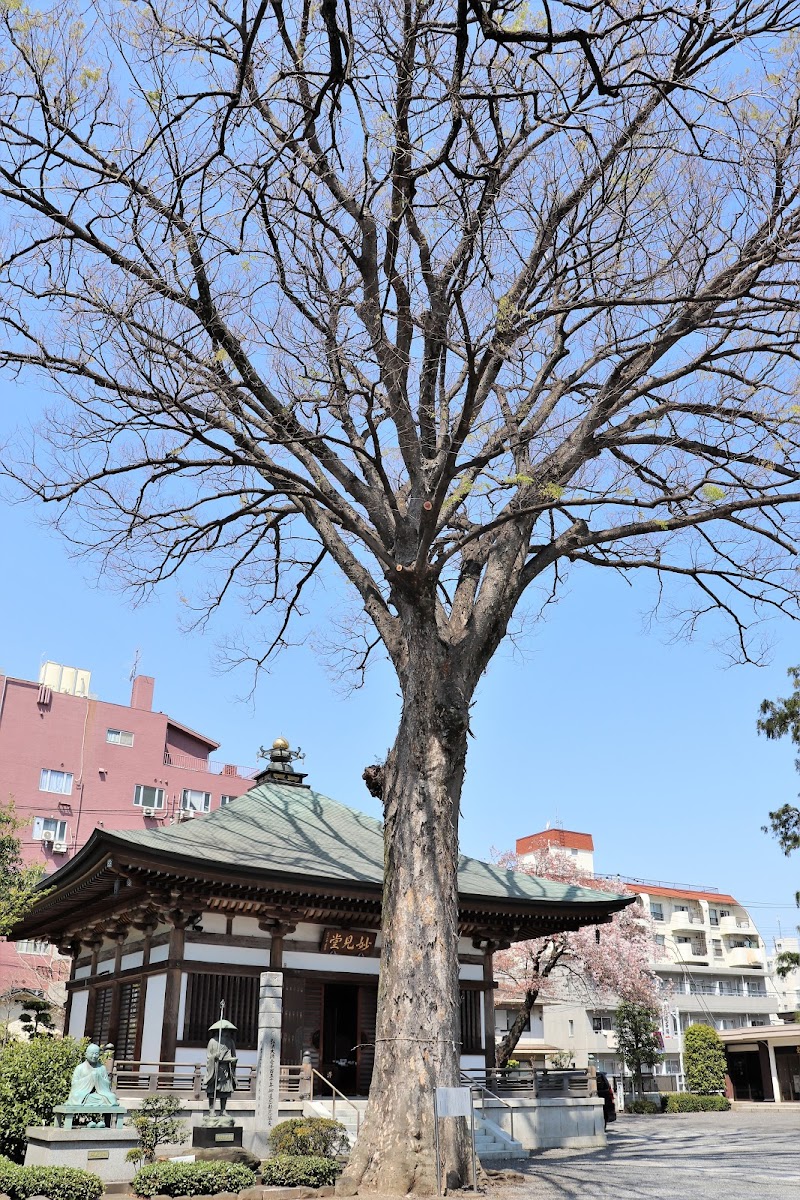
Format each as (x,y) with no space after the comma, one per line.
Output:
(148,797)
(682,908)
(56,781)
(758,1020)
(194,801)
(223,800)
(683,940)
(602,1024)
(471,1039)
(49,829)
(660,939)
(717,944)
(125,1033)
(119,737)
(571,1028)
(656,911)
(713,916)
(756,987)
(33,946)
(101,1024)
(724,912)
(203,994)
(505,1018)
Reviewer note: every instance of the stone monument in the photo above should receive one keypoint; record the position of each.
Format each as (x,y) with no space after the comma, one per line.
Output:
(218,1129)
(99,1143)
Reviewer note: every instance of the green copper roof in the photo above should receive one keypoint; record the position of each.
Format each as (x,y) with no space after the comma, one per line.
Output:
(294,831)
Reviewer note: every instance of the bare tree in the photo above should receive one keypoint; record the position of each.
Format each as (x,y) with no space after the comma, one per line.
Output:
(453,295)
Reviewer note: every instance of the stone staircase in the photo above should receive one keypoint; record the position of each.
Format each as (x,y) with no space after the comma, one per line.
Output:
(491,1142)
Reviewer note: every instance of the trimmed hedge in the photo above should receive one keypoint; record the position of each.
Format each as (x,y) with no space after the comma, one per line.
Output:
(315,1136)
(646,1107)
(191,1179)
(58,1183)
(687,1102)
(300,1170)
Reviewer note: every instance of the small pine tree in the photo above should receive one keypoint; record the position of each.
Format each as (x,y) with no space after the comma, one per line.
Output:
(704,1060)
(36,1019)
(157,1124)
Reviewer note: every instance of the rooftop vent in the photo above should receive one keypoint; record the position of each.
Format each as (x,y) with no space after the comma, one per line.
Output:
(280,768)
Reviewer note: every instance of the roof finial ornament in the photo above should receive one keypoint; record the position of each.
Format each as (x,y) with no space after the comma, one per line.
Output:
(280,759)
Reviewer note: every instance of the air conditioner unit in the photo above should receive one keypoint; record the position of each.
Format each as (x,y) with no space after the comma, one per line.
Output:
(59,848)
(47,836)
(149,812)
(188,815)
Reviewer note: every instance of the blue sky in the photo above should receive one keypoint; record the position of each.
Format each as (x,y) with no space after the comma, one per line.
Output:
(648,743)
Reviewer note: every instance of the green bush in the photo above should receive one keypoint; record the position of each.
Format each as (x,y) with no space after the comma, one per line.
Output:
(704,1060)
(687,1102)
(34,1076)
(316,1137)
(191,1179)
(58,1183)
(157,1124)
(299,1170)
(647,1107)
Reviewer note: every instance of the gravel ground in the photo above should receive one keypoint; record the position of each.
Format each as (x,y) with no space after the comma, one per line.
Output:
(681,1156)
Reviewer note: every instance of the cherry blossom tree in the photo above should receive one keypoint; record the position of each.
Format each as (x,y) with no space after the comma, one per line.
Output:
(610,964)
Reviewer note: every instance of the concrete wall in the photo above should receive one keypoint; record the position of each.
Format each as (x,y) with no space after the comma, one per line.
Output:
(563,1122)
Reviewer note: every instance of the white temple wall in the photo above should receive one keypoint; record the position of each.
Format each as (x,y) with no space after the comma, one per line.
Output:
(159,954)
(129,961)
(182,1007)
(304,960)
(223,952)
(153,1018)
(77,1013)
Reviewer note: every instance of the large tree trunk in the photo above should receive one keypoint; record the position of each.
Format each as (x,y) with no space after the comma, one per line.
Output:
(418,1032)
(509,1042)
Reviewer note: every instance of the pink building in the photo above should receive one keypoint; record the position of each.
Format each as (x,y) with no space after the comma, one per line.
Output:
(72,763)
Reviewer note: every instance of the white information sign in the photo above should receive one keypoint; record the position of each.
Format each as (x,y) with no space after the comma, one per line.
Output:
(453,1102)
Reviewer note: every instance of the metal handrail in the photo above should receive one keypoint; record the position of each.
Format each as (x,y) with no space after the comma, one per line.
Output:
(479,1087)
(336,1092)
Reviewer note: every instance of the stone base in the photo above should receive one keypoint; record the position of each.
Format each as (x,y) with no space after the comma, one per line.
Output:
(217,1135)
(101,1151)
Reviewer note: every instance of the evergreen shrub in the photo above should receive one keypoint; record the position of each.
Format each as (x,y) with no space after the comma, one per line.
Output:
(191,1178)
(704,1060)
(314,1136)
(646,1107)
(34,1076)
(688,1102)
(300,1170)
(58,1183)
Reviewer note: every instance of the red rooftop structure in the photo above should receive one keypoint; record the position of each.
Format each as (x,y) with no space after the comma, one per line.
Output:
(72,763)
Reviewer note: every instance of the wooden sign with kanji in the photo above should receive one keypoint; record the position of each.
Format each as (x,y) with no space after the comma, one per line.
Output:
(347,941)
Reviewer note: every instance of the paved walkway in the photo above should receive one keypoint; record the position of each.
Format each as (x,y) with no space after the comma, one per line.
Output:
(692,1156)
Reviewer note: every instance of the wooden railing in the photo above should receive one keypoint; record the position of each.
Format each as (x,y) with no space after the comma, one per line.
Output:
(186,1079)
(132,1077)
(530,1081)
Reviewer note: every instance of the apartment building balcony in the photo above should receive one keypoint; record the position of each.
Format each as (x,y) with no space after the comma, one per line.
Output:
(745,956)
(683,922)
(739,925)
(685,952)
(723,1004)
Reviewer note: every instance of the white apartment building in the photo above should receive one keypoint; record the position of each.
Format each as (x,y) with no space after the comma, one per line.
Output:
(788,989)
(709,956)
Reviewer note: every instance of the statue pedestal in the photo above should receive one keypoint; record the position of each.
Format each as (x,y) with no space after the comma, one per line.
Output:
(101,1151)
(64,1115)
(219,1131)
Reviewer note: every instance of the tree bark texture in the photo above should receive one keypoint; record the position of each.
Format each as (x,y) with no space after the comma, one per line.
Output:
(419,1033)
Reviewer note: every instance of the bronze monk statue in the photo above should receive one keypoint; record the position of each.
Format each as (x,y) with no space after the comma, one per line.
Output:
(91,1085)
